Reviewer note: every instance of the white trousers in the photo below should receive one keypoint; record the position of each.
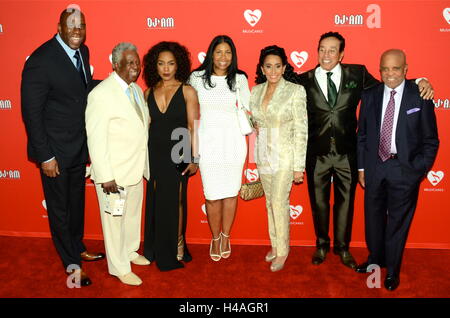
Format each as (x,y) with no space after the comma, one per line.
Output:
(122,234)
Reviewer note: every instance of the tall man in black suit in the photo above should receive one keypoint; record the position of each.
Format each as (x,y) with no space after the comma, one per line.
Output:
(397,145)
(333,93)
(56,80)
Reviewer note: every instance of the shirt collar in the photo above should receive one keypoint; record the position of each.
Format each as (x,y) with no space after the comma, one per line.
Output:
(336,70)
(121,82)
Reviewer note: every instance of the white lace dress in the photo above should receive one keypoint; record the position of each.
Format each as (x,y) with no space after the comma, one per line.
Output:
(222,147)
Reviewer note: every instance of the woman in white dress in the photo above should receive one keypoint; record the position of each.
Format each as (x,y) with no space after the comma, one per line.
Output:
(222,147)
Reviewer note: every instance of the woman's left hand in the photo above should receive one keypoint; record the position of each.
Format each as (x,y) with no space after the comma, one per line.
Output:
(298,177)
(191,168)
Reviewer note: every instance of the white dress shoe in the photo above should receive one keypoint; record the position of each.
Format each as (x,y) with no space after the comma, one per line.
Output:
(130,279)
(140,260)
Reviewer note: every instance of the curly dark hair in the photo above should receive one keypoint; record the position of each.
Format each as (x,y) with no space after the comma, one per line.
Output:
(289,73)
(182,57)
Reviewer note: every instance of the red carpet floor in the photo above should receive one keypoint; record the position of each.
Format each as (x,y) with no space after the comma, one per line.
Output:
(29,267)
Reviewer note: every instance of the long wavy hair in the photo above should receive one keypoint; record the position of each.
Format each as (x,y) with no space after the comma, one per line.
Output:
(182,57)
(208,63)
(289,73)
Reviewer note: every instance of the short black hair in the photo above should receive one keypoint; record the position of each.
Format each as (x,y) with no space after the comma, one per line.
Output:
(333,35)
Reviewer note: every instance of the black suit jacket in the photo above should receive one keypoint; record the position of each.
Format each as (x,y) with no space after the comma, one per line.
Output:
(416,136)
(339,121)
(54,100)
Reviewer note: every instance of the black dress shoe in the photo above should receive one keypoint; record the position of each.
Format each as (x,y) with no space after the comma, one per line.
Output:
(91,257)
(346,258)
(391,282)
(363,268)
(84,278)
(319,255)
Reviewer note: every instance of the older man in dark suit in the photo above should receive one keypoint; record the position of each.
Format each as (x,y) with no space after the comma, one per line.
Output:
(397,145)
(55,82)
(333,93)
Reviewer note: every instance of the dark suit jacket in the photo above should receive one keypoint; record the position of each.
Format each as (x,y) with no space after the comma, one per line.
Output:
(54,100)
(340,121)
(416,135)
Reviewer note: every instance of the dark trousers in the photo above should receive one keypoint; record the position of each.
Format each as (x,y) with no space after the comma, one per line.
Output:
(343,169)
(64,196)
(389,202)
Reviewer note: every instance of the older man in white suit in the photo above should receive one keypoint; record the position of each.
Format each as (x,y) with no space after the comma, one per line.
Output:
(117,130)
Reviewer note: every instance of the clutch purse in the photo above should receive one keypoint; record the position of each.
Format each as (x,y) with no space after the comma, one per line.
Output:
(251,190)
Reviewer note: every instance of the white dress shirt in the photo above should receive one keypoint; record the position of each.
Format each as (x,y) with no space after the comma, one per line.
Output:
(321,77)
(398,99)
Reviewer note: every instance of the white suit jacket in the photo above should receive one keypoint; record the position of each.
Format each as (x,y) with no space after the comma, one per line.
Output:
(117,137)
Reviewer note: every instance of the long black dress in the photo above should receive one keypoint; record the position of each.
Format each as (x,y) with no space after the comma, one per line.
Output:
(167,188)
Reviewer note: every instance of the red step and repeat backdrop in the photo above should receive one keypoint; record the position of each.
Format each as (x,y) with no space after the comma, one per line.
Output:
(420,28)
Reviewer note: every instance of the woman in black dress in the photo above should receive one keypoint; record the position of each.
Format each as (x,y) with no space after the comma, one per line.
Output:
(173,108)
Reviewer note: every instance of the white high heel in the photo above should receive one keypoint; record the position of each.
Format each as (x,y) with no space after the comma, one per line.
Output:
(214,257)
(270,257)
(225,254)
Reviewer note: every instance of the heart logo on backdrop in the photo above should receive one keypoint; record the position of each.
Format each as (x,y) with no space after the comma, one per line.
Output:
(201,57)
(299,58)
(252,17)
(296,211)
(92,70)
(44,204)
(204,209)
(435,177)
(251,175)
(446,14)
(110,58)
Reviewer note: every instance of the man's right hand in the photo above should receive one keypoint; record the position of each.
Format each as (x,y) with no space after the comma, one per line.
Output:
(361,179)
(50,168)
(110,187)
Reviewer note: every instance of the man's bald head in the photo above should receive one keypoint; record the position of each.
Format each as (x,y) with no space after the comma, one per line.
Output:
(394,52)
(67,12)
(393,67)
(72,27)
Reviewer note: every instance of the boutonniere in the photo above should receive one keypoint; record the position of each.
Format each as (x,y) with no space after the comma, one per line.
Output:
(351,84)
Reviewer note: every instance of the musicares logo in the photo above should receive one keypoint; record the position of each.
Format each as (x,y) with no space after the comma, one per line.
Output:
(295,211)
(1,28)
(201,57)
(435,177)
(446,14)
(252,17)
(251,175)
(299,58)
